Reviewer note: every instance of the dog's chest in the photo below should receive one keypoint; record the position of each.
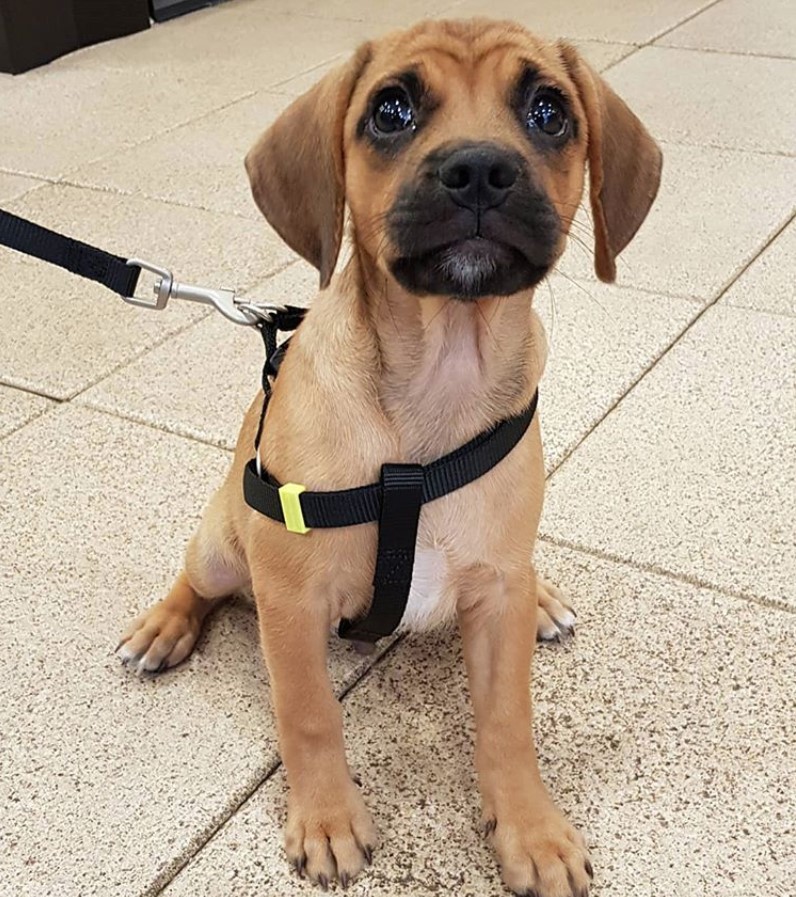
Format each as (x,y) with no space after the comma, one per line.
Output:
(430,581)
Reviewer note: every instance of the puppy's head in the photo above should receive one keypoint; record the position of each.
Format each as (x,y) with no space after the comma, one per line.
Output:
(460,149)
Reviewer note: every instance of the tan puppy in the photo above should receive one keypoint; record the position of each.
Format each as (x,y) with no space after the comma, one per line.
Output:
(460,150)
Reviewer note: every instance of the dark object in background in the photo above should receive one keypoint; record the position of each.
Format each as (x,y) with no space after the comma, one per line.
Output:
(162,10)
(33,32)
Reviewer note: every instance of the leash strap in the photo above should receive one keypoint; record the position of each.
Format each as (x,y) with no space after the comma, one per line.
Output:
(112,271)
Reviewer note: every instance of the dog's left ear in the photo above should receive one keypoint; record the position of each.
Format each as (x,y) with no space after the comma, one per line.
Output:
(624,165)
(296,169)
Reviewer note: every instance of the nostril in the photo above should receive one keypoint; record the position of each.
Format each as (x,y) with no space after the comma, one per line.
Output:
(501,176)
(455,177)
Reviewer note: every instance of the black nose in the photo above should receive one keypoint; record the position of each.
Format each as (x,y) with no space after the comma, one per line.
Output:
(478,177)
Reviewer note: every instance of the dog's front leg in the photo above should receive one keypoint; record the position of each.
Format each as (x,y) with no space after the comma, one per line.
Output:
(330,833)
(540,853)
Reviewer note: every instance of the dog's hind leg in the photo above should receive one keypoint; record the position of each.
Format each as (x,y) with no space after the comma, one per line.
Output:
(165,634)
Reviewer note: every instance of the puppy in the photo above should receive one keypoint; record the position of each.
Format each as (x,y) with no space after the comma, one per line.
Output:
(459,150)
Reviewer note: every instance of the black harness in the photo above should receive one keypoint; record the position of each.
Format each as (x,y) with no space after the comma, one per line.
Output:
(394,501)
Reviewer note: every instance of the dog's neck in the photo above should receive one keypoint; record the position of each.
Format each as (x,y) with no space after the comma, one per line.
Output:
(450,369)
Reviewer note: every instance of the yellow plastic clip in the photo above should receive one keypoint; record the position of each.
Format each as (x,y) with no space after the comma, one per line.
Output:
(291,507)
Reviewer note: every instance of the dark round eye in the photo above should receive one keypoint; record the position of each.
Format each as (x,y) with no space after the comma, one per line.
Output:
(547,114)
(393,112)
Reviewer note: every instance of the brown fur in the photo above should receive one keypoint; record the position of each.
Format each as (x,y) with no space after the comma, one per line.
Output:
(377,375)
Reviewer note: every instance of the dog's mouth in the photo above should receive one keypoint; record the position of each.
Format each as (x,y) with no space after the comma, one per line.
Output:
(468,269)
(443,248)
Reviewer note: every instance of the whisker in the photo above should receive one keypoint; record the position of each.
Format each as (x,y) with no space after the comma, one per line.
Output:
(583,289)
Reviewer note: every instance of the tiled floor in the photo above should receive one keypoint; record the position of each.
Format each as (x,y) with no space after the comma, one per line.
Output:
(667,727)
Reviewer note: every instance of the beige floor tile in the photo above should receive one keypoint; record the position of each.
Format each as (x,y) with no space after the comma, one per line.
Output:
(405,12)
(13,185)
(259,48)
(626,21)
(59,333)
(57,118)
(200,164)
(695,471)
(715,209)
(299,84)
(601,340)
(670,750)
(602,54)
(200,383)
(712,99)
(740,26)
(109,779)
(768,283)
(17,408)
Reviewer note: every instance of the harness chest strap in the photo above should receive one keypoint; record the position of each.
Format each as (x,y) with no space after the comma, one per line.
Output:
(395,502)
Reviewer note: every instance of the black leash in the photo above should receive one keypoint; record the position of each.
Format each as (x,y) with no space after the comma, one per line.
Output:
(395,501)
(112,271)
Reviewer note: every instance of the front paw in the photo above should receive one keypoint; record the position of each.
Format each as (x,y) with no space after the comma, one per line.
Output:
(331,838)
(540,853)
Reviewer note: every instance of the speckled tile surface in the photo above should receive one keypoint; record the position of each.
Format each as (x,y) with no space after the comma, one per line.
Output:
(108,779)
(200,164)
(768,283)
(51,138)
(740,26)
(14,185)
(648,735)
(626,21)
(600,341)
(711,109)
(695,470)
(601,54)
(80,332)
(18,407)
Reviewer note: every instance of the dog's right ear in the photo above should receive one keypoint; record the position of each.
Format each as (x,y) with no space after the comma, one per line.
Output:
(296,169)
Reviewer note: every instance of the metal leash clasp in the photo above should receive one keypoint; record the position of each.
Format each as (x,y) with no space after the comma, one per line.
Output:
(166,287)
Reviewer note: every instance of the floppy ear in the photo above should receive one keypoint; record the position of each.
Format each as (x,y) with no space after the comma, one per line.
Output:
(624,165)
(296,168)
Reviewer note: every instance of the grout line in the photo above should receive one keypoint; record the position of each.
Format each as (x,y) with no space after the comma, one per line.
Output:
(31,391)
(144,351)
(111,190)
(621,59)
(309,71)
(744,54)
(30,420)
(128,146)
(164,880)
(688,18)
(687,578)
(151,425)
(710,304)
(592,280)
(781,154)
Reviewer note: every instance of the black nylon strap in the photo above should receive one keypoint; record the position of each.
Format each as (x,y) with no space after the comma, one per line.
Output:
(112,271)
(402,498)
(349,507)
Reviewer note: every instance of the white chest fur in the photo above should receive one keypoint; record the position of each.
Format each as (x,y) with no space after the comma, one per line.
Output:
(426,594)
